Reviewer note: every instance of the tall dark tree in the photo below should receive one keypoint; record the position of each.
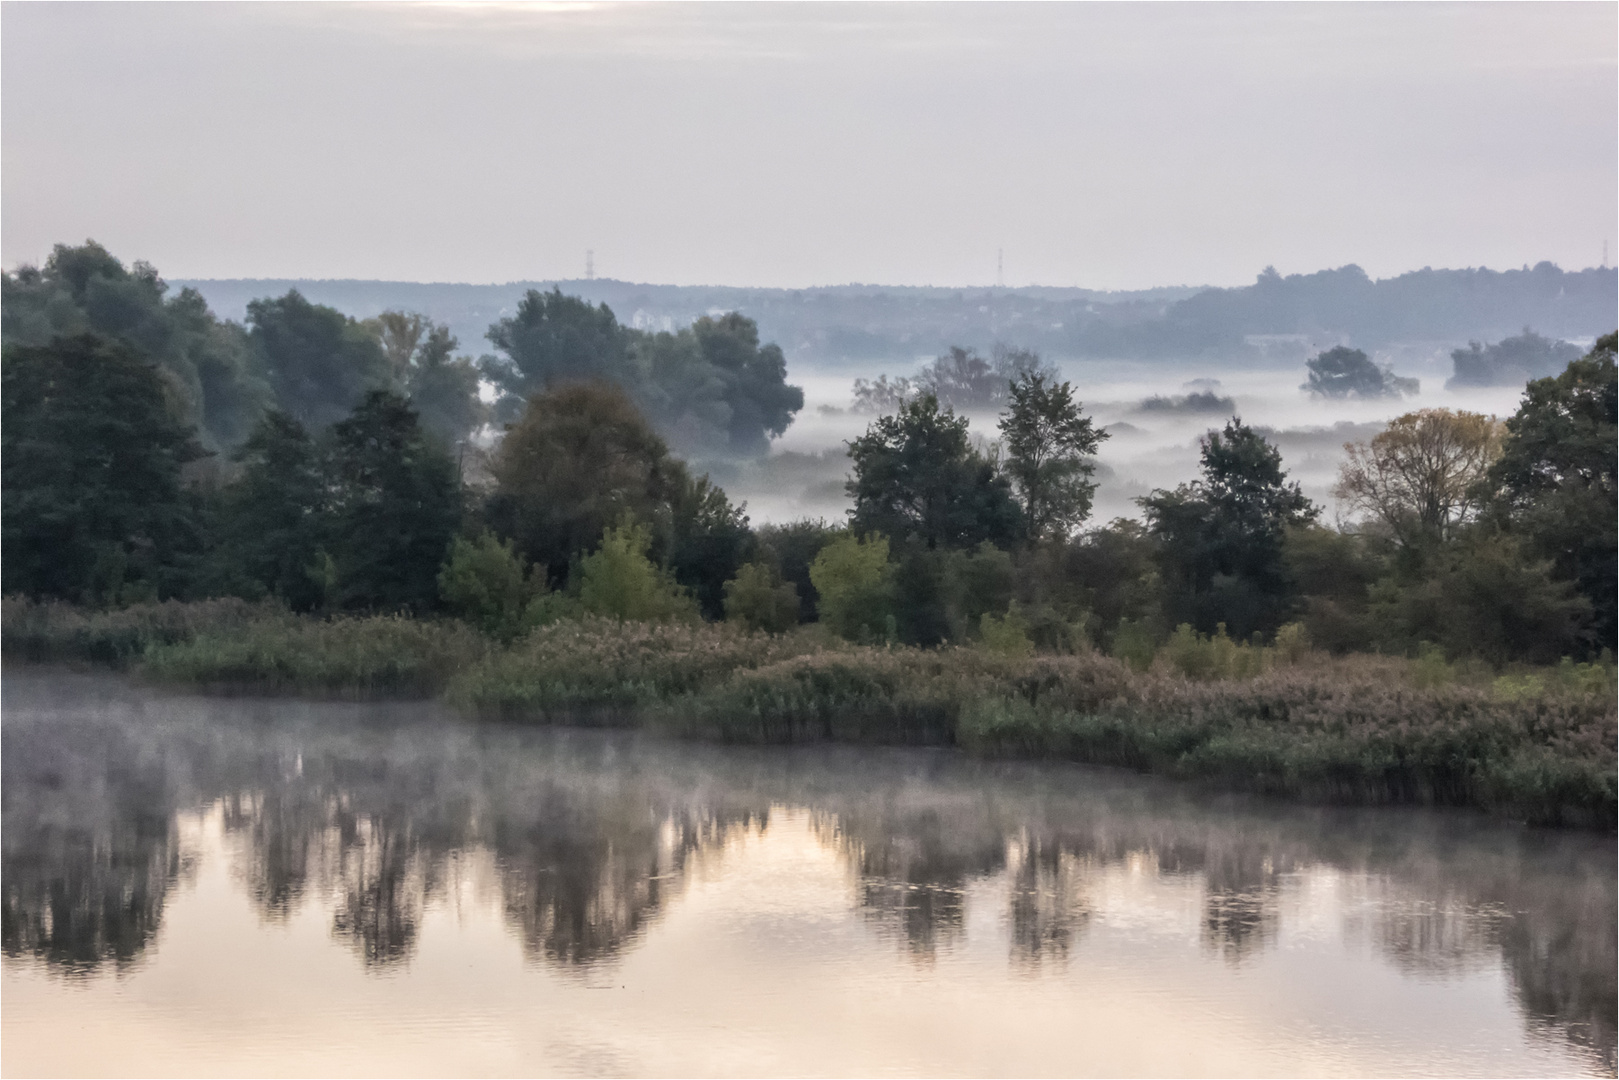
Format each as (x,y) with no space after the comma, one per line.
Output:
(443,387)
(580,458)
(94,508)
(396,506)
(917,476)
(1555,479)
(85,289)
(754,379)
(319,363)
(1221,538)
(273,522)
(551,339)
(708,541)
(1049,449)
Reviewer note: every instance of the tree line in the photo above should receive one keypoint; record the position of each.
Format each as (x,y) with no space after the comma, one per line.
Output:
(1475,536)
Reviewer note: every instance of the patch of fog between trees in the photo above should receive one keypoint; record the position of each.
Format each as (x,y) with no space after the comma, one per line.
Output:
(1148,448)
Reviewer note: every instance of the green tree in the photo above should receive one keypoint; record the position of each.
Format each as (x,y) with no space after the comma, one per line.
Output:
(274,517)
(396,506)
(916,475)
(758,599)
(854,579)
(86,290)
(791,547)
(553,339)
(708,538)
(1049,449)
(489,585)
(1342,372)
(1555,479)
(618,580)
(753,380)
(443,388)
(94,508)
(579,459)
(319,363)
(1221,538)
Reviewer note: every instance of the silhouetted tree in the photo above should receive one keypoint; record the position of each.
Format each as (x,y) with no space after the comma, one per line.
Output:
(1221,537)
(1049,445)
(319,363)
(93,504)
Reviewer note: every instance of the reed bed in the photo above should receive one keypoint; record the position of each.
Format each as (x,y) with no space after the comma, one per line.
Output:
(1537,744)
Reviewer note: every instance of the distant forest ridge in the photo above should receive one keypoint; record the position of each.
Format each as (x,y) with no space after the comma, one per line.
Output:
(1278,319)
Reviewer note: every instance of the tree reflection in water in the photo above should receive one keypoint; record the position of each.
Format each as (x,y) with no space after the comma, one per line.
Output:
(593,834)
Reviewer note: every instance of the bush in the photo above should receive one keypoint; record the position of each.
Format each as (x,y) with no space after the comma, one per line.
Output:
(854,580)
(620,582)
(490,585)
(758,599)
(1008,634)
(381,656)
(55,631)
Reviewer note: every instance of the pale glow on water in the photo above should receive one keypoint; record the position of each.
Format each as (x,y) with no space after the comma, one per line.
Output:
(385,890)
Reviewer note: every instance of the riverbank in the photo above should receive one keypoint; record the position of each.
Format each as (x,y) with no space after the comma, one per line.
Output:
(1539,745)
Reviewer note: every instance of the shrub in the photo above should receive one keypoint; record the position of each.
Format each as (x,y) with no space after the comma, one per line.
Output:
(1007,634)
(1292,643)
(620,582)
(489,585)
(1135,643)
(380,656)
(1214,656)
(758,599)
(854,580)
(54,631)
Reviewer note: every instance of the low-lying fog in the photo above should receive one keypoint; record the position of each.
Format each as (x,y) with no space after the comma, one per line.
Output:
(1148,448)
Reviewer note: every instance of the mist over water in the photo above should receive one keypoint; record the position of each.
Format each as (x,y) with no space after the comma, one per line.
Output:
(208,886)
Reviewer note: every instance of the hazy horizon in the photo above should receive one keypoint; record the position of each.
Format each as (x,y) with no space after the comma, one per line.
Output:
(1110,147)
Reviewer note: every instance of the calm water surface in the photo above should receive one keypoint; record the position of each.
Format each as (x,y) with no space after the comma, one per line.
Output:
(210,887)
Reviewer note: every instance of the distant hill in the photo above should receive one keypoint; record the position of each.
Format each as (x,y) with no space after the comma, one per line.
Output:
(1277,319)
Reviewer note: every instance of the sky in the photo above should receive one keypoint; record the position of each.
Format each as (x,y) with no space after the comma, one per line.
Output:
(1099,145)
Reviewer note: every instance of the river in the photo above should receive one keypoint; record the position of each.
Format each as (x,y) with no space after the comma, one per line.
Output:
(207,886)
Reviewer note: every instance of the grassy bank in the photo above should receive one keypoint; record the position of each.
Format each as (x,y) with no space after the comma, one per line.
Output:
(1288,721)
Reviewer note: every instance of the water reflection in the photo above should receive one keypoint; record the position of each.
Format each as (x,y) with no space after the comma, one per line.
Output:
(592,837)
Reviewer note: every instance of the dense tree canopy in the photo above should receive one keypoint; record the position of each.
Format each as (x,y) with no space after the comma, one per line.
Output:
(918,477)
(273,524)
(1344,372)
(86,290)
(318,362)
(1555,478)
(92,456)
(1511,361)
(710,386)
(1420,477)
(1222,536)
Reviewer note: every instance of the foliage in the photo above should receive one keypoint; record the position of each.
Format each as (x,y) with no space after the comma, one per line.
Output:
(791,547)
(758,599)
(1334,573)
(442,387)
(489,585)
(1007,634)
(395,507)
(92,457)
(581,457)
(204,362)
(711,385)
(854,581)
(961,379)
(916,474)
(1204,657)
(1511,361)
(1555,479)
(1420,477)
(1049,446)
(375,657)
(708,541)
(1221,538)
(55,630)
(1342,372)
(619,581)
(319,363)
(273,520)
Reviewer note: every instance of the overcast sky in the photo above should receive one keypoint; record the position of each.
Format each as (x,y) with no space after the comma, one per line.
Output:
(774,144)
